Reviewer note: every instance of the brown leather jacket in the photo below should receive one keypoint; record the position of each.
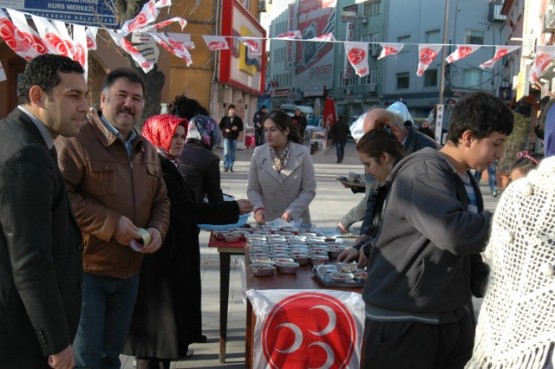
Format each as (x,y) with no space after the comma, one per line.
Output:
(104,184)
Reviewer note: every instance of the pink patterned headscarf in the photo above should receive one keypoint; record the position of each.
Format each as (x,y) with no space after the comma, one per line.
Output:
(159,130)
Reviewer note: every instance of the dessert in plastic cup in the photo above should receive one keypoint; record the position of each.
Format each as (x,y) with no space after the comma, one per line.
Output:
(137,245)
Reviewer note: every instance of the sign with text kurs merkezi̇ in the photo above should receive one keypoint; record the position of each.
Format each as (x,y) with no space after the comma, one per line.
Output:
(88,12)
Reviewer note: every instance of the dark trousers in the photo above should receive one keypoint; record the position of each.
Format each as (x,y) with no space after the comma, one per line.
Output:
(153,363)
(410,345)
(259,136)
(339,151)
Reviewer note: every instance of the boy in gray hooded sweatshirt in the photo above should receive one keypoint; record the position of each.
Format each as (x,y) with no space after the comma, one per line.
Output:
(425,264)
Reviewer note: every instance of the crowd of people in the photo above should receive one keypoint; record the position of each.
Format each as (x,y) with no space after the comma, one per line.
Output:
(104,259)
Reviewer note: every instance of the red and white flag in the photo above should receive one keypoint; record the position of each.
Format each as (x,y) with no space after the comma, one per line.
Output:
(500,52)
(80,43)
(544,57)
(147,15)
(52,37)
(253,44)
(290,35)
(426,55)
(175,47)
(63,32)
(325,37)
(91,38)
(182,23)
(357,54)
(299,329)
(390,49)
(163,3)
(27,43)
(461,52)
(216,43)
(126,45)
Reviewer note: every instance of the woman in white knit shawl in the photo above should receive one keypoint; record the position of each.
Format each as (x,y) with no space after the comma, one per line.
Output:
(516,326)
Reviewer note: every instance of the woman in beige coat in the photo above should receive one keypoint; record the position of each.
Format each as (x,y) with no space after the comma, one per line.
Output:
(281,176)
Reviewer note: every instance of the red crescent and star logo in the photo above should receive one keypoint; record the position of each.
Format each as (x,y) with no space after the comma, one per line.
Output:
(326,340)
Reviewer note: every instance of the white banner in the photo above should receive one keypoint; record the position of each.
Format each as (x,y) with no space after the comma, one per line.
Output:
(426,55)
(216,42)
(299,329)
(390,49)
(544,57)
(461,52)
(500,52)
(357,54)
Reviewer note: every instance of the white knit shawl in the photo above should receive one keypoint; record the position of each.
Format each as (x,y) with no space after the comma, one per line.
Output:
(516,325)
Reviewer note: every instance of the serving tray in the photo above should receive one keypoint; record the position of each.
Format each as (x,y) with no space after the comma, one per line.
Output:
(326,280)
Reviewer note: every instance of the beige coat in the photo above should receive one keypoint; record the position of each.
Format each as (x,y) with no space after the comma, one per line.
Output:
(290,191)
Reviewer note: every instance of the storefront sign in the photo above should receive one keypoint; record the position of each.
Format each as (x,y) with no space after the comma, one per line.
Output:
(88,12)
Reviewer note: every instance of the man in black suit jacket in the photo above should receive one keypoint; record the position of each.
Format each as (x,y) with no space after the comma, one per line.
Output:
(40,241)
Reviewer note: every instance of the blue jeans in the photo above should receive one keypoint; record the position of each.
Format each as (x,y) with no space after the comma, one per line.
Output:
(230,147)
(492,179)
(108,305)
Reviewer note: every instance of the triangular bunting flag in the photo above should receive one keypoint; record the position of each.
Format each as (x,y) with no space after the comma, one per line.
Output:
(461,52)
(216,43)
(426,55)
(390,49)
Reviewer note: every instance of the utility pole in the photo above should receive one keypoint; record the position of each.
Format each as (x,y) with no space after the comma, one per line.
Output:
(440,106)
(444,51)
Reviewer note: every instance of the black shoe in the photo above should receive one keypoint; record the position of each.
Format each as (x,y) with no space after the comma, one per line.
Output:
(202,339)
(226,170)
(231,169)
(494,193)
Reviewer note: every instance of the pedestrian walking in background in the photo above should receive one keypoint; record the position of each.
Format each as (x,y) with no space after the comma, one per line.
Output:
(492,178)
(300,122)
(40,241)
(258,125)
(230,125)
(340,135)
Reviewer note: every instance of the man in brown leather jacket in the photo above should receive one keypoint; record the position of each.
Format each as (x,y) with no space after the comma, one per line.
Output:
(115,184)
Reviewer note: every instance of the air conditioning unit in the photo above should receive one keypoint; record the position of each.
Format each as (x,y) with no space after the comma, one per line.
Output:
(372,87)
(495,13)
(363,20)
(374,51)
(348,91)
(549,22)
(262,6)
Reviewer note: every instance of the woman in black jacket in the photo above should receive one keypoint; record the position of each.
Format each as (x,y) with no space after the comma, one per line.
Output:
(198,164)
(167,316)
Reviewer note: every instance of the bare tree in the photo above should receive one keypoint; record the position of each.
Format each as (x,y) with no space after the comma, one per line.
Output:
(155,79)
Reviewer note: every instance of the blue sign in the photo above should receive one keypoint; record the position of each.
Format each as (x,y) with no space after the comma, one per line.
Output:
(87,12)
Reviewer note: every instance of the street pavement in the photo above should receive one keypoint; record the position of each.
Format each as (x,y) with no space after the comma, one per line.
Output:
(332,201)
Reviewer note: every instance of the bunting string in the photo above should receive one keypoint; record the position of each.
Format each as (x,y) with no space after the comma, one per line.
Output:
(75,40)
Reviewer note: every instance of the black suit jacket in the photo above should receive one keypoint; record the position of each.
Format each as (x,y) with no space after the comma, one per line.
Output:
(40,250)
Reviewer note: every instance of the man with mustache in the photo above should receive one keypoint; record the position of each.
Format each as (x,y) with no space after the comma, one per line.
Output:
(115,184)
